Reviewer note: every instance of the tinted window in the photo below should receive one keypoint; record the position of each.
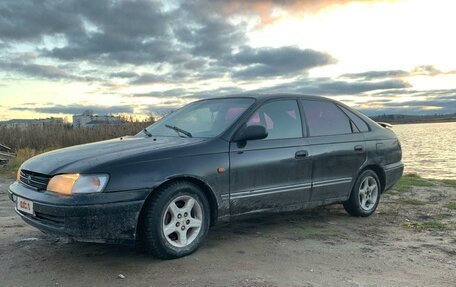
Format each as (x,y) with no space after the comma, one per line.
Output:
(280,118)
(325,118)
(360,124)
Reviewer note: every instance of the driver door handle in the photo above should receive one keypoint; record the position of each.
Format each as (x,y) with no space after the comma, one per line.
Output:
(301,154)
(358,148)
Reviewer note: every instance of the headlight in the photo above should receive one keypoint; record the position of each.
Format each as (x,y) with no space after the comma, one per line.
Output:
(18,175)
(78,183)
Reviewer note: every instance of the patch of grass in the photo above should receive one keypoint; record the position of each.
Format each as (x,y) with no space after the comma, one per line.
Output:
(412,175)
(451,205)
(449,182)
(414,180)
(43,137)
(414,201)
(425,225)
(434,224)
(406,183)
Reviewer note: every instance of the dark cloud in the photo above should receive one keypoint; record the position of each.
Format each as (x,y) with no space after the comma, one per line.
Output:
(188,94)
(266,62)
(196,40)
(22,20)
(125,74)
(147,78)
(114,49)
(352,88)
(41,71)
(327,86)
(119,31)
(142,32)
(214,38)
(206,30)
(77,109)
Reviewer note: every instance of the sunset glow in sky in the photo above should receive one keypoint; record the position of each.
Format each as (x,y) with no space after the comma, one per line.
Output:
(58,58)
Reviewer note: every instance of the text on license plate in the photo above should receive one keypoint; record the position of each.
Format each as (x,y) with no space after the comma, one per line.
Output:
(24,205)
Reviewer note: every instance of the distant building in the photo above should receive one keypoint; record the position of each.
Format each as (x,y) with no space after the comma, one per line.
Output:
(16,123)
(25,123)
(89,119)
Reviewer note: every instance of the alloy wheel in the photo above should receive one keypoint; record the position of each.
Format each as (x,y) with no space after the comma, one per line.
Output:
(368,193)
(182,221)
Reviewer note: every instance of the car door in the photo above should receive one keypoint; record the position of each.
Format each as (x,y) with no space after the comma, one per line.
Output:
(336,147)
(274,172)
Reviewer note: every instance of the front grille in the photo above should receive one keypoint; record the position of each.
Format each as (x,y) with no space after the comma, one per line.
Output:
(35,180)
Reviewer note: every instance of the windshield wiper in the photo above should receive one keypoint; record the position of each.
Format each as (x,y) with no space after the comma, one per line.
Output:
(147,133)
(179,130)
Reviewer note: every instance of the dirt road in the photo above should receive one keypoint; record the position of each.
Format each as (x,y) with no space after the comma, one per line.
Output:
(409,241)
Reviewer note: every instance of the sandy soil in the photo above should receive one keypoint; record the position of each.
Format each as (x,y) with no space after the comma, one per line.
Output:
(409,241)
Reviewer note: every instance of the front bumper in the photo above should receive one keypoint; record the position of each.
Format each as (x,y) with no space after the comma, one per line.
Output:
(102,217)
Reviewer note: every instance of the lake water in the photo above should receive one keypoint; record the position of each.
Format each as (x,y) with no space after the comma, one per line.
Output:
(429,149)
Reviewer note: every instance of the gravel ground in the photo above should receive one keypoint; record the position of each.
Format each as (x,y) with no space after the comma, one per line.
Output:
(409,241)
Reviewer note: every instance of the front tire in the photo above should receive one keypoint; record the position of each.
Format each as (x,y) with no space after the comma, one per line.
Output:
(176,220)
(365,195)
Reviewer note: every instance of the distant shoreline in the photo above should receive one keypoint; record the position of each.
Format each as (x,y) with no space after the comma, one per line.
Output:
(409,119)
(421,122)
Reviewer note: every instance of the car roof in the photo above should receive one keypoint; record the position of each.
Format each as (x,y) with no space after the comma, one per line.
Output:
(264,96)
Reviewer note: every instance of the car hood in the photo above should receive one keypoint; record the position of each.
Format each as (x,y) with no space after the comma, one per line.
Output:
(80,157)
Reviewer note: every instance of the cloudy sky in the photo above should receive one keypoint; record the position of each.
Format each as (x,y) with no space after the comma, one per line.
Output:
(140,57)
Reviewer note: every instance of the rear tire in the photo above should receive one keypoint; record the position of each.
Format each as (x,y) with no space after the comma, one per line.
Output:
(365,195)
(175,221)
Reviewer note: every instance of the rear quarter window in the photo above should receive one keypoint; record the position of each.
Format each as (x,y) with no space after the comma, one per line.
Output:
(360,124)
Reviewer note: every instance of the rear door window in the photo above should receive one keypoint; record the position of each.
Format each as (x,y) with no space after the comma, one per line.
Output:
(325,118)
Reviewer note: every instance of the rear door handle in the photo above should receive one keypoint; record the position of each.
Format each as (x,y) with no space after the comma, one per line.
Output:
(300,154)
(358,148)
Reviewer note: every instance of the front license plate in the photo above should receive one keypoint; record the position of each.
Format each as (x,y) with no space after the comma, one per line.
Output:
(24,205)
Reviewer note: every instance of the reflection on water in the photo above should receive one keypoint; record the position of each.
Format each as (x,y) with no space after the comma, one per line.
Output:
(429,149)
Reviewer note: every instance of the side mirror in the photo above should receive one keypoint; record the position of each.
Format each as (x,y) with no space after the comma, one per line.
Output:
(254,132)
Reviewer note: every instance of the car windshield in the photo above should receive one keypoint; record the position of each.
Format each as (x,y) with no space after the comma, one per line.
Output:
(202,119)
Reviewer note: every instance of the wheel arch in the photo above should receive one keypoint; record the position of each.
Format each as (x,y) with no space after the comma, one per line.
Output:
(380,174)
(207,190)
